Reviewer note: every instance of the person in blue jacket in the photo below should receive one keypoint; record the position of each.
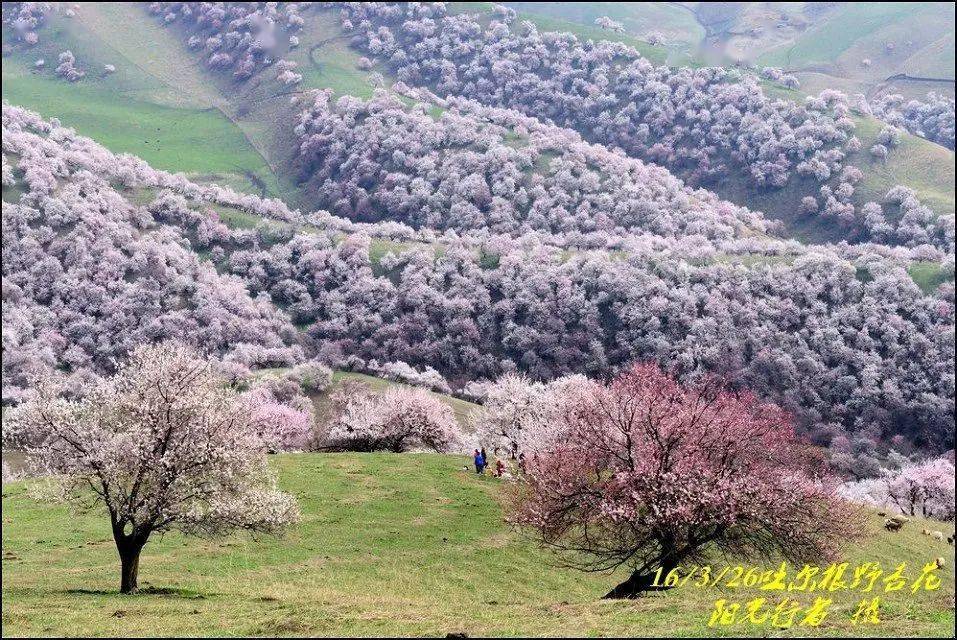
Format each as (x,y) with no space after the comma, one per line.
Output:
(479,461)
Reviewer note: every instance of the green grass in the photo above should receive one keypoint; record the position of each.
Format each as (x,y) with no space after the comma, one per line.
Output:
(326,61)
(263,109)
(389,544)
(825,42)
(929,275)
(674,22)
(156,104)
(936,60)
(838,37)
(168,138)
(547,19)
(925,167)
(166,63)
(239,219)
(917,36)
(379,247)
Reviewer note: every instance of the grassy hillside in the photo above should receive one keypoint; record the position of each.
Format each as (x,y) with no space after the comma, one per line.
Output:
(681,32)
(163,105)
(674,22)
(170,138)
(926,167)
(835,34)
(389,544)
(824,42)
(896,37)
(157,105)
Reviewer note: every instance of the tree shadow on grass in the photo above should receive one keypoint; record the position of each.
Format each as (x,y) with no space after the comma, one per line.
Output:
(170,592)
(88,592)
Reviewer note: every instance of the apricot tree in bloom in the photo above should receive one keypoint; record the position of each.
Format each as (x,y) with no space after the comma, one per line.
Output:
(282,427)
(520,416)
(281,414)
(653,474)
(923,489)
(164,444)
(399,419)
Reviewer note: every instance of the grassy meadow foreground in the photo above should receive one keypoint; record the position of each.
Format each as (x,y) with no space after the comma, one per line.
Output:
(405,544)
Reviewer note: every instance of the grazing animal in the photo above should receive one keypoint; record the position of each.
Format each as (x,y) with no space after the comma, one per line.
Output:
(882,513)
(937,535)
(900,519)
(893,525)
(940,562)
(925,532)
(950,539)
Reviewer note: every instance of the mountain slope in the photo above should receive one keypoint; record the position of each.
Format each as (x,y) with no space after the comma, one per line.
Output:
(155,105)
(420,524)
(164,90)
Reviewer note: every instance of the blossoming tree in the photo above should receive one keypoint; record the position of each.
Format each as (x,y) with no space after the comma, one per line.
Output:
(398,419)
(923,489)
(281,414)
(164,444)
(519,415)
(653,474)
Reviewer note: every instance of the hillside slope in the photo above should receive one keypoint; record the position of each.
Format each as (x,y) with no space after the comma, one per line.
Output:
(168,108)
(908,45)
(824,45)
(389,544)
(321,400)
(156,105)
(895,39)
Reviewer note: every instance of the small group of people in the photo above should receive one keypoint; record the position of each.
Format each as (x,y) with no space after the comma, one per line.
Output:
(481,462)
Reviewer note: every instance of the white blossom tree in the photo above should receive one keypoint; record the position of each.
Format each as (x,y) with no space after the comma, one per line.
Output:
(162,445)
(399,419)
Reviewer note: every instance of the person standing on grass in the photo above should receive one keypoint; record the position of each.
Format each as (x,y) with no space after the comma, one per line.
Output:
(478,461)
(484,459)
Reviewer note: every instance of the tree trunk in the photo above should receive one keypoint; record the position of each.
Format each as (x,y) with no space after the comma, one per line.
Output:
(640,582)
(130,566)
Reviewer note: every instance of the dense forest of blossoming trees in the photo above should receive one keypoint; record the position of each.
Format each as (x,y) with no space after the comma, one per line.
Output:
(707,126)
(87,275)
(854,357)
(479,168)
(700,123)
(932,118)
(236,36)
(534,191)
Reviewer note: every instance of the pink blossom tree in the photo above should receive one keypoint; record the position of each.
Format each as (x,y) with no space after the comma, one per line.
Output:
(652,474)
(164,444)
(282,414)
(283,421)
